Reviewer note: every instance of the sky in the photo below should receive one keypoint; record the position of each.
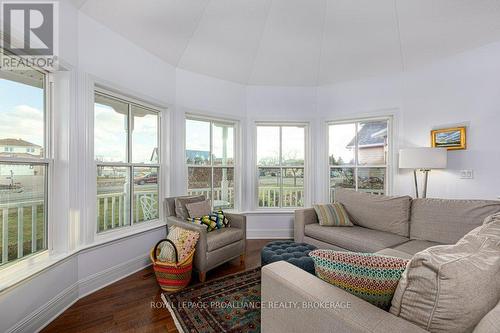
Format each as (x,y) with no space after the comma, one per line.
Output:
(21,112)
(339,136)
(198,137)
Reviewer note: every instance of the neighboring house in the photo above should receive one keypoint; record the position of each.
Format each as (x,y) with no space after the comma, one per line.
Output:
(19,148)
(197,156)
(372,139)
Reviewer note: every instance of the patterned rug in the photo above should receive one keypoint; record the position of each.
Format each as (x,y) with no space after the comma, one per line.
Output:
(227,304)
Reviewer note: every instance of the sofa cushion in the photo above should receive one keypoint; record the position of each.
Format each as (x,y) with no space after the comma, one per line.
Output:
(181,202)
(450,288)
(414,246)
(222,237)
(446,221)
(332,215)
(378,212)
(356,238)
(371,277)
(490,322)
(394,253)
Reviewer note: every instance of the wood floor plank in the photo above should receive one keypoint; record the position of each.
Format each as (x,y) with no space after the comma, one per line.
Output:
(133,304)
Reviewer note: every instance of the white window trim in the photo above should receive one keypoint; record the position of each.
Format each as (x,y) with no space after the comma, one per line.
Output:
(162,165)
(390,175)
(307,170)
(237,158)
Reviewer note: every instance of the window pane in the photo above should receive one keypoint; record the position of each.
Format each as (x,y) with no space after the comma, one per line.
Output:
(144,135)
(223,196)
(371,180)
(223,144)
(293,187)
(372,143)
(22,210)
(341,177)
(200,181)
(293,145)
(145,203)
(22,114)
(110,129)
(269,187)
(341,144)
(197,142)
(113,197)
(268,145)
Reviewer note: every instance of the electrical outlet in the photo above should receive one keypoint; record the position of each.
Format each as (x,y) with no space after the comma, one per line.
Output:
(466,174)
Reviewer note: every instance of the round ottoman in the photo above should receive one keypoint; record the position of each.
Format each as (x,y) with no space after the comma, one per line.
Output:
(289,251)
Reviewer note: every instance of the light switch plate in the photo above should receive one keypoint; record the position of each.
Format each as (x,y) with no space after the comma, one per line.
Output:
(466,174)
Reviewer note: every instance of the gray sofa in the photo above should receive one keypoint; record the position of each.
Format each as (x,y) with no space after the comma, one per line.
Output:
(396,226)
(216,247)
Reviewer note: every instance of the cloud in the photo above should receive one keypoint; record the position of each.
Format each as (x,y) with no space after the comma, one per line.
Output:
(22,122)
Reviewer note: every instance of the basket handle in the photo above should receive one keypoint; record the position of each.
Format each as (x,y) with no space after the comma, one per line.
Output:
(173,245)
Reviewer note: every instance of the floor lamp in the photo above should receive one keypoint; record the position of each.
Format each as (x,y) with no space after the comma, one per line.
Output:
(423,159)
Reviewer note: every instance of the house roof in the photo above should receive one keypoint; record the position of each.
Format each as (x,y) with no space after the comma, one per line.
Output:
(17,143)
(371,134)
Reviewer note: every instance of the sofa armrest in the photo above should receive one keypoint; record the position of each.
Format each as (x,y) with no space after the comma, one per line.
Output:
(201,246)
(302,218)
(296,301)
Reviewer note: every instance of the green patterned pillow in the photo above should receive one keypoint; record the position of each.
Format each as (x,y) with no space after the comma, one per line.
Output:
(215,220)
(371,277)
(332,215)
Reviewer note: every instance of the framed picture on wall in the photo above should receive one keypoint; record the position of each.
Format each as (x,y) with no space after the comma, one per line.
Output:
(451,138)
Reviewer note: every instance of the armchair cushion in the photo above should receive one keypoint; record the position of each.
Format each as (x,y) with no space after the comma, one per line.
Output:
(181,202)
(222,237)
(197,209)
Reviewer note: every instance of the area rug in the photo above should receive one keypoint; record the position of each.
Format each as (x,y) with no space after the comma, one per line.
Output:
(227,304)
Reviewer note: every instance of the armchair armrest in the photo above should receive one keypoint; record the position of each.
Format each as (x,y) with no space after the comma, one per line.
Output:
(315,305)
(302,218)
(238,221)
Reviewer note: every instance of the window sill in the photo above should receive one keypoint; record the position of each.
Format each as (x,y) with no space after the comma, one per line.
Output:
(30,267)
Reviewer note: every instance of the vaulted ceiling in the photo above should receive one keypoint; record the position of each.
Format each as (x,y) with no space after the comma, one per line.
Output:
(300,42)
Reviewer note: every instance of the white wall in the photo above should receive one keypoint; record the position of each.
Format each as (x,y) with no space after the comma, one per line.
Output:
(461,90)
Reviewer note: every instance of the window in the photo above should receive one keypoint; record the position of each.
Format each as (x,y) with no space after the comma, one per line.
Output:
(210,159)
(23,175)
(359,154)
(280,165)
(126,137)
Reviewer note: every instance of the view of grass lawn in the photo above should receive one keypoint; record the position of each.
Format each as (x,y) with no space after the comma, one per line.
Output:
(27,231)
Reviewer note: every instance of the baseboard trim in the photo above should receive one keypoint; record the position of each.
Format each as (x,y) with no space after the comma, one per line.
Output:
(44,315)
(270,233)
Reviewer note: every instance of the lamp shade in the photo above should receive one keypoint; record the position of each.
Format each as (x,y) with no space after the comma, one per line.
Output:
(423,158)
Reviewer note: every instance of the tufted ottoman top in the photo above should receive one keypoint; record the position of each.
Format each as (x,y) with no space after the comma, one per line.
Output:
(289,251)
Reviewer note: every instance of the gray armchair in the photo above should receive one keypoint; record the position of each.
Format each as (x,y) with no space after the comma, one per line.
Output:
(216,247)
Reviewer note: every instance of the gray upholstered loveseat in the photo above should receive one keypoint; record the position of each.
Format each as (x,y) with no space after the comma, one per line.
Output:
(216,247)
(392,226)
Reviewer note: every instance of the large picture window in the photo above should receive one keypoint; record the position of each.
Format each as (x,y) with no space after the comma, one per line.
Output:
(280,165)
(24,163)
(126,149)
(359,155)
(210,159)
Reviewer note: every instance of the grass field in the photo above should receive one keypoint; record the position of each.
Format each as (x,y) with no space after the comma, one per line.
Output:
(27,230)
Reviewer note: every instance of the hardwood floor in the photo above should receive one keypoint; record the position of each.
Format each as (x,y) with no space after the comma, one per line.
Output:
(133,304)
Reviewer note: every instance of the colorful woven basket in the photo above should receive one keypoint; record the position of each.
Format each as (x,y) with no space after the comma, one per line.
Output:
(172,276)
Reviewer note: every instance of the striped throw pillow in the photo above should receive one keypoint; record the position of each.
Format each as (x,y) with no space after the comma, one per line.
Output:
(332,215)
(215,220)
(371,277)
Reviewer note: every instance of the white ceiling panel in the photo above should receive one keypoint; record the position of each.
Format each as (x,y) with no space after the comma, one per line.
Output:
(290,47)
(360,40)
(226,40)
(300,42)
(163,27)
(433,29)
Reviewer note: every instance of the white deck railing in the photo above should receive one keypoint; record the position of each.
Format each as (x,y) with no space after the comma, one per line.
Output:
(115,218)
(219,194)
(19,208)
